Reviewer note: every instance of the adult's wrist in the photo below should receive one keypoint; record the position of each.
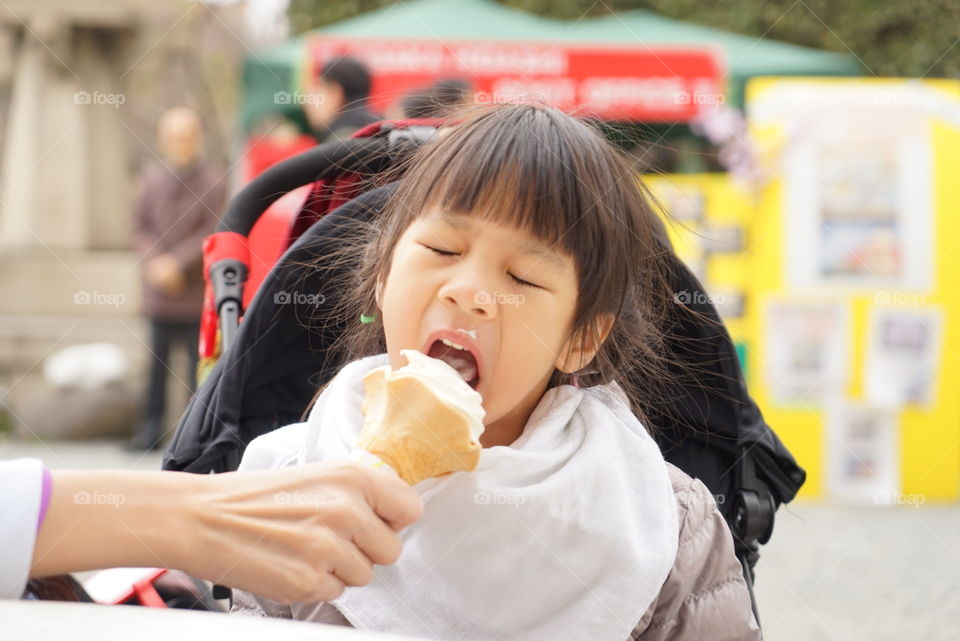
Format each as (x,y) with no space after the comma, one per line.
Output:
(99,519)
(183,538)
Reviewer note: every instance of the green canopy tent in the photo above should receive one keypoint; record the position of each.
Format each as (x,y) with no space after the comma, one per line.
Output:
(744,57)
(276,70)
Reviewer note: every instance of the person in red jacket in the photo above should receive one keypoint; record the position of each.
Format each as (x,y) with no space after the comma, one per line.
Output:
(178,205)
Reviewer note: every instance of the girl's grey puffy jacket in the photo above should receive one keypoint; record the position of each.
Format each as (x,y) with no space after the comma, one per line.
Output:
(705,595)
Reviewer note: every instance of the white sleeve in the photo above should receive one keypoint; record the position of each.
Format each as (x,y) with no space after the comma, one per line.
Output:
(21,483)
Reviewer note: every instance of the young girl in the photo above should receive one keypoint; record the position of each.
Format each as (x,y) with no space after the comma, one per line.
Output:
(524,237)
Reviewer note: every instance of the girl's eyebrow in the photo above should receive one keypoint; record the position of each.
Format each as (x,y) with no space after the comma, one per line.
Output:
(463,222)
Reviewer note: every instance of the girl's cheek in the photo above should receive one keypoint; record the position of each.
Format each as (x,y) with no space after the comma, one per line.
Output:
(538,322)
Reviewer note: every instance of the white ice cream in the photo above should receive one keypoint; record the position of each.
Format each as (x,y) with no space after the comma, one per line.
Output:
(447,384)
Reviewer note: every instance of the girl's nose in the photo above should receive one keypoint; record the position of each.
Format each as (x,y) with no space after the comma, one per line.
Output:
(469,297)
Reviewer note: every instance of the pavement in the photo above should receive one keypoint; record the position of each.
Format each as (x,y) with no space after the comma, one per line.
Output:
(830,573)
(839,573)
(80,455)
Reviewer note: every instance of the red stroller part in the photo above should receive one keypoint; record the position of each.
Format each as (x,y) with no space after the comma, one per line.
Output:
(148,587)
(230,285)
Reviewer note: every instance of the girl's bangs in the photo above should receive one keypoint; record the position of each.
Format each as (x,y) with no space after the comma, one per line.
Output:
(503,200)
(507,175)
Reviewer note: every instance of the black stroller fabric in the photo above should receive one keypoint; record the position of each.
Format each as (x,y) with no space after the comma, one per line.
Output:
(267,379)
(712,428)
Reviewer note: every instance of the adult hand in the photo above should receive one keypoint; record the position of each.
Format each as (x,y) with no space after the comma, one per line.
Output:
(164,273)
(302,534)
(299,534)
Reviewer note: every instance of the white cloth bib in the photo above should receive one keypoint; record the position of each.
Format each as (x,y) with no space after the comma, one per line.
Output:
(568,533)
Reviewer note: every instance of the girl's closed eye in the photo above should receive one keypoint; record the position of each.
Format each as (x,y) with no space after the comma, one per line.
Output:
(516,279)
(524,283)
(441,252)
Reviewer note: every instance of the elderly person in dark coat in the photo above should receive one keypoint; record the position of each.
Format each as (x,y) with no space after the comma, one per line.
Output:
(178,205)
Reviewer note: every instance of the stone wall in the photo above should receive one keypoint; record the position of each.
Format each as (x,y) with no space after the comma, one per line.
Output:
(81,86)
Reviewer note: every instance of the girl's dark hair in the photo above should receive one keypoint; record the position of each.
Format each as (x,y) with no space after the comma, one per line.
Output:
(556,177)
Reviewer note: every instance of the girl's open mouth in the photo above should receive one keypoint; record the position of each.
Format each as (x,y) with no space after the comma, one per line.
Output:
(459,359)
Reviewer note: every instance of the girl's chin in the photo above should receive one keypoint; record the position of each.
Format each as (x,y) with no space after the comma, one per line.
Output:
(488,416)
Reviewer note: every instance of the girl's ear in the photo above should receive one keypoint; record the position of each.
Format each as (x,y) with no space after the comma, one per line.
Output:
(580,350)
(379,294)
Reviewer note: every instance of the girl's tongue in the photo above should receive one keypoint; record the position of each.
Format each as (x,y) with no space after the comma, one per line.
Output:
(459,359)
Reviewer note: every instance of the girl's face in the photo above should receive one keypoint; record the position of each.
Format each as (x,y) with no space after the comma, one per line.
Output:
(512,297)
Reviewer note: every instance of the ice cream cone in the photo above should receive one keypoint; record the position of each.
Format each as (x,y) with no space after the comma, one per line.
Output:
(417,431)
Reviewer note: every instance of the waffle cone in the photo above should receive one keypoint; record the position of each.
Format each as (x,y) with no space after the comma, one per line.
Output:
(413,431)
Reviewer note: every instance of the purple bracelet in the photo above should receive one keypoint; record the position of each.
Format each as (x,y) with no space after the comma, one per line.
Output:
(45,496)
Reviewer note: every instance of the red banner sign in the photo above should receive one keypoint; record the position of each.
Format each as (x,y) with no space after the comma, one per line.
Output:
(612,83)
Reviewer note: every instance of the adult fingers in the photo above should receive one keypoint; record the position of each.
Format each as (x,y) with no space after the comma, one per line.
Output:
(352,566)
(392,499)
(328,587)
(377,540)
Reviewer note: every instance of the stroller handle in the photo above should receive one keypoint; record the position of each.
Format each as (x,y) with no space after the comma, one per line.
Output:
(226,256)
(371,151)
(365,155)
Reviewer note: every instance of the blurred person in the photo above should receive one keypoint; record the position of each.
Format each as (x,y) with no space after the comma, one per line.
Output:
(242,530)
(436,101)
(274,138)
(178,205)
(339,106)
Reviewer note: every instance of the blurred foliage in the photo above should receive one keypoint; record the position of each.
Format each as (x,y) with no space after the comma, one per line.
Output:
(310,14)
(891,38)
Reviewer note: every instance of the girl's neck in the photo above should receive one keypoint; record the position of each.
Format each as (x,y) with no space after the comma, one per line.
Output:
(508,428)
(494,435)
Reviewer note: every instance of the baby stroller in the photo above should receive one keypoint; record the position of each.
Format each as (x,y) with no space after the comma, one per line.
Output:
(272,363)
